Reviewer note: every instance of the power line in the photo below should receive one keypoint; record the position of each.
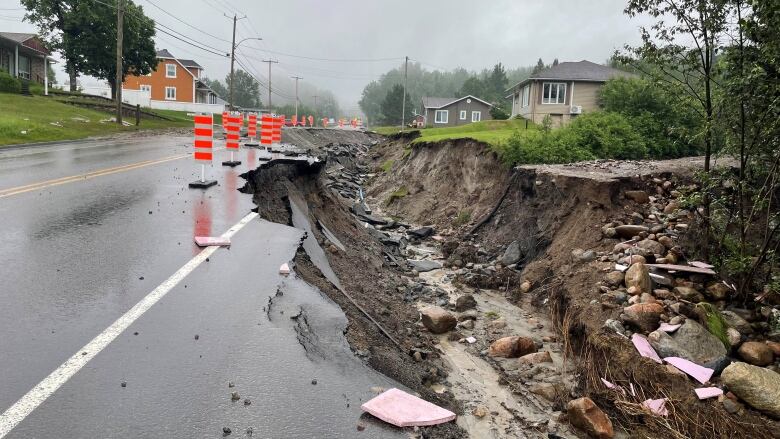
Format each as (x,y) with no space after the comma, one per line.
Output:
(185,23)
(326,59)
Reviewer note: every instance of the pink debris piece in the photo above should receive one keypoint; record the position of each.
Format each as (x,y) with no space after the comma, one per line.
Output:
(644,348)
(404,410)
(208,241)
(700,264)
(657,406)
(608,384)
(699,373)
(633,392)
(685,268)
(665,327)
(284,269)
(708,392)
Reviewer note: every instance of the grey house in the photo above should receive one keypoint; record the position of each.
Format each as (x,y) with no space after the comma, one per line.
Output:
(450,112)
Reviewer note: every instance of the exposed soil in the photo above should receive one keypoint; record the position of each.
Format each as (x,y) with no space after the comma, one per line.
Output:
(477,207)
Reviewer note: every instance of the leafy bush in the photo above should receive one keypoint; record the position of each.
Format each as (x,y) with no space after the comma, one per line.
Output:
(498,113)
(9,84)
(604,135)
(539,146)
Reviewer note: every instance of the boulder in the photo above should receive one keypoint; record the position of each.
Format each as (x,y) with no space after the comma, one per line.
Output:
(757,386)
(423,265)
(587,416)
(666,241)
(718,291)
(672,207)
(640,197)
(713,321)
(421,233)
(756,353)
(465,302)
(511,347)
(736,321)
(536,358)
(512,255)
(691,341)
(638,276)
(653,247)
(614,278)
(438,320)
(688,294)
(645,316)
(629,230)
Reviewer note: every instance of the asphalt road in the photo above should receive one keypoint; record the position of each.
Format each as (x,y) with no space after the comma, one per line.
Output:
(89,230)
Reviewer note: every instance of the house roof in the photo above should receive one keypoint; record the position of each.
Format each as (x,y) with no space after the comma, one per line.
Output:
(433,102)
(576,71)
(190,63)
(21,38)
(163,53)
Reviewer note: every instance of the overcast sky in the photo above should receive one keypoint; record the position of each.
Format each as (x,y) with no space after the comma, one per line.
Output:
(439,33)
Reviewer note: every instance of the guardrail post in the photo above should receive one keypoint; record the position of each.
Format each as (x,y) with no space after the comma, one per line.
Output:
(137,114)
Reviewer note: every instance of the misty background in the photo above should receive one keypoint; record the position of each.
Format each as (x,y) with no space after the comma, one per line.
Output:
(343,46)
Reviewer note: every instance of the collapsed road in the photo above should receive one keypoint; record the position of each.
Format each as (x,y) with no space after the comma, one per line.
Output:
(90,229)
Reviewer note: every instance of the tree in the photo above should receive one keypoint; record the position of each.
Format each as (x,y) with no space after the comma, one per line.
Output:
(474,87)
(496,84)
(391,106)
(217,87)
(539,67)
(555,62)
(681,48)
(246,91)
(51,17)
(94,24)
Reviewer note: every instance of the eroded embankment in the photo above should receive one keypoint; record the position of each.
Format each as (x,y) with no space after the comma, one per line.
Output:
(346,263)
(548,238)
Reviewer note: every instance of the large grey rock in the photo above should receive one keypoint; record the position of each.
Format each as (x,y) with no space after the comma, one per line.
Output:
(757,386)
(438,320)
(629,230)
(423,265)
(638,276)
(513,254)
(653,247)
(692,342)
(737,322)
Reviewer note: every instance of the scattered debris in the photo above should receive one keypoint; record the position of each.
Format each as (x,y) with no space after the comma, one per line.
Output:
(401,409)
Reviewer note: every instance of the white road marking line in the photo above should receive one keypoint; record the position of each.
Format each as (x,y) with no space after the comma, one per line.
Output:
(38,394)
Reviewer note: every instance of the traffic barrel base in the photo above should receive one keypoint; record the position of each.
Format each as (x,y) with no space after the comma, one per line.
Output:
(231,163)
(197,184)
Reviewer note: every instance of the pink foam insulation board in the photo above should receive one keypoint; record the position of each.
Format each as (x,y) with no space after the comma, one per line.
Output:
(699,373)
(708,392)
(208,241)
(644,348)
(284,269)
(657,406)
(404,410)
(666,327)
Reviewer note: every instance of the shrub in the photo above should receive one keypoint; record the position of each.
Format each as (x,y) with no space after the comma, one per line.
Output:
(9,84)
(538,146)
(386,165)
(605,135)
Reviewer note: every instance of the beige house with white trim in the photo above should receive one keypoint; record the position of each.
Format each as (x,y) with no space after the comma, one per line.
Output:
(562,91)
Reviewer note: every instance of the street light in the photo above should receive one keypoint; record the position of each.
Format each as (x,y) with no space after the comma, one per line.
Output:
(233,55)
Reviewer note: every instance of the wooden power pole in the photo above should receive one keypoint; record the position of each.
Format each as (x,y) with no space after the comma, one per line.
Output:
(120,21)
(232,61)
(296,78)
(270,61)
(403,105)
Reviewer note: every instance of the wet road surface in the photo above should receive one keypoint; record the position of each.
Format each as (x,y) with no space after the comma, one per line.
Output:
(78,255)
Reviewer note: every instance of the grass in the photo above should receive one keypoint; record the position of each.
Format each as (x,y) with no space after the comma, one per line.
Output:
(398,194)
(386,165)
(463,218)
(386,131)
(492,132)
(25,119)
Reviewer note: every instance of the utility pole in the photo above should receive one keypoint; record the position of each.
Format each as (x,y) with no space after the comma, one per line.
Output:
(120,22)
(270,61)
(232,60)
(403,108)
(296,78)
(315,106)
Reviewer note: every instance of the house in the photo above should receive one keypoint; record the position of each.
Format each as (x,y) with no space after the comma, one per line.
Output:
(176,84)
(24,56)
(449,112)
(562,91)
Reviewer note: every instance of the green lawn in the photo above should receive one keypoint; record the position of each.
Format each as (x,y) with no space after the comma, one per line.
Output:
(488,131)
(26,119)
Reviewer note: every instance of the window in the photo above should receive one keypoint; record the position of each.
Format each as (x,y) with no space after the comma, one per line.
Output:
(526,99)
(146,87)
(476,116)
(554,93)
(462,114)
(170,93)
(24,67)
(170,70)
(442,116)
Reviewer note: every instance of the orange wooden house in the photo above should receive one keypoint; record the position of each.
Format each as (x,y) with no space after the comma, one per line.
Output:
(176,84)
